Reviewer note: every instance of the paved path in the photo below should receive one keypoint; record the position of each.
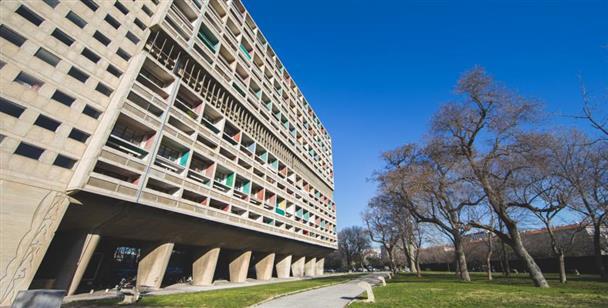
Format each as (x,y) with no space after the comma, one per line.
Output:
(335,296)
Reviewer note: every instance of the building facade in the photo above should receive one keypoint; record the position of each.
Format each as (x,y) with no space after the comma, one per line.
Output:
(154,140)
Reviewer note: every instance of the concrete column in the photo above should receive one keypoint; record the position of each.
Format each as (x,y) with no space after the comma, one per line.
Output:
(203,267)
(152,266)
(263,268)
(284,266)
(86,252)
(239,266)
(297,267)
(310,267)
(320,267)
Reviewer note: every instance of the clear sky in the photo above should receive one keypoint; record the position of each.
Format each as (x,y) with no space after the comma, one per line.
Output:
(375,71)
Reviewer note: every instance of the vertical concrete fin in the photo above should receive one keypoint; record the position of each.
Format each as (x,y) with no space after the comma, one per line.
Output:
(86,252)
(152,266)
(263,268)
(297,268)
(310,267)
(203,267)
(283,266)
(239,265)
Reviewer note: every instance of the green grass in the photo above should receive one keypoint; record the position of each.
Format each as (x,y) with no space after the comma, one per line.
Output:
(236,297)
(443,290)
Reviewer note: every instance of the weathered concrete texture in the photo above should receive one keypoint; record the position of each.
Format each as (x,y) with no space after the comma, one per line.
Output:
(239,265)
(297,268)
(320,270)
(263,268)
(29,218)
(153,264)
(283,266)
(203,267)
(310,267)
(86,252)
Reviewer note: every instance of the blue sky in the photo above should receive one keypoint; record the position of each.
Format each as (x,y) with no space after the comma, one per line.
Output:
(376,71)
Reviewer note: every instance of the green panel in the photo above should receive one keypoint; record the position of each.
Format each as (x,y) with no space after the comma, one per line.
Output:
(279,211)
(184,159)
(244,50)
(247,187)
(275,164)
(264,156)
(230,179)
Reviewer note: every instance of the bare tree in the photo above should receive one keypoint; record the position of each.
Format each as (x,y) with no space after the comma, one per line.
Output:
(583,165)
(592,113)
(485,131)
(381,226)
(352,242)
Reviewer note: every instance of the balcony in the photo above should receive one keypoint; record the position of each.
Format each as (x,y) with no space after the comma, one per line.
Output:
(131,137)
(223,179)
(172,156)
(201,170)
(212,120)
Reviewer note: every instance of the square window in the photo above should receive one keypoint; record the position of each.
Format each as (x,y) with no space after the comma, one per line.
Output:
(11,36)
(103,89)
(147,10)
(47,57)
(62,37)
(113,22)
(46,122)
(87,53)
(79,135)
(123,54)
(90,4)
(101,38)
(28,80)
(139,24)
(121,7)
(28,14)
(10,108)
(132,37)
(77,20)
(63,98)
(64,162)
(51,3)
(91,112)
(28,150)
(78,74)
(113,70)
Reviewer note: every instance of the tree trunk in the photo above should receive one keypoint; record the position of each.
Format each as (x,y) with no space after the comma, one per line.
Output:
(418,271)
(505,257)
(562,267)
(535,273)
(597,250)
(489,264)
(462,260)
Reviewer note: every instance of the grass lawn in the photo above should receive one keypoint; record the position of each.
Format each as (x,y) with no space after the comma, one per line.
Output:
(443,290)
(236,297)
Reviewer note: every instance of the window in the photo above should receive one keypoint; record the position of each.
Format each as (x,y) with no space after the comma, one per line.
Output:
(113,70)
(61,36)
(28,14)
(113,22)
(90,4)
(139,24)
(11,36)
(132,37)
(121,8)
(28,150)
(87,53)
(147,10)
(63,98)
(79,135)
(101,38)
(91,112)
(78,74)
(46,122)
(103,89)
(123,54)
(47,56)
(77,20)
(64,162)
(51,3)
(28,80)
(10,108)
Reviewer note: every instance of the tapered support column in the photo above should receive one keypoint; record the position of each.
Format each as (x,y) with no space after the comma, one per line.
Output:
(263,268)
(152,266)
(320,270)
(297,267)
(90,243)
(239,265)
(203,267)
(310,267)
(283,266)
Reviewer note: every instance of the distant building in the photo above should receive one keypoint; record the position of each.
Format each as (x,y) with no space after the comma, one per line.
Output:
(157,140)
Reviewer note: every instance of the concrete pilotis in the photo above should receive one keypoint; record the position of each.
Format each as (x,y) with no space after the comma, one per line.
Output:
(87,250)
(297,267)
(203,267)
(310,267)
(152,266)
(320,270)
(283,266)
(263,268)
(239,265)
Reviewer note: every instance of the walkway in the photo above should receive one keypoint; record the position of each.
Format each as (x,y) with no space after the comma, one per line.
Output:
(336,296)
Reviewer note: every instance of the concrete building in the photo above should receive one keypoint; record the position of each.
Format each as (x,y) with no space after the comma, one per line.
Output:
(158,140)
